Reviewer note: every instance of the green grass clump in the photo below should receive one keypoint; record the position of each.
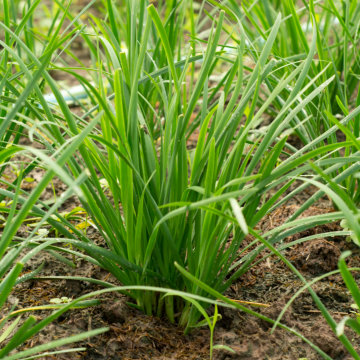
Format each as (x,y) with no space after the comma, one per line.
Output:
(171,203)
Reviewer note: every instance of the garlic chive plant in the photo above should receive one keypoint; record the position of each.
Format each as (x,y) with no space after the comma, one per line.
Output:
(172,202)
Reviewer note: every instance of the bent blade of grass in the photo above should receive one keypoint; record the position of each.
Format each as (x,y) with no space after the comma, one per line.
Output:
(239,215)
(355,292)
(55,343)
(348,278)
(341,199)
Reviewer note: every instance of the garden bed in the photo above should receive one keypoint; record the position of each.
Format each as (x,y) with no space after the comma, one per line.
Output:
(234,156)
(133,335)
